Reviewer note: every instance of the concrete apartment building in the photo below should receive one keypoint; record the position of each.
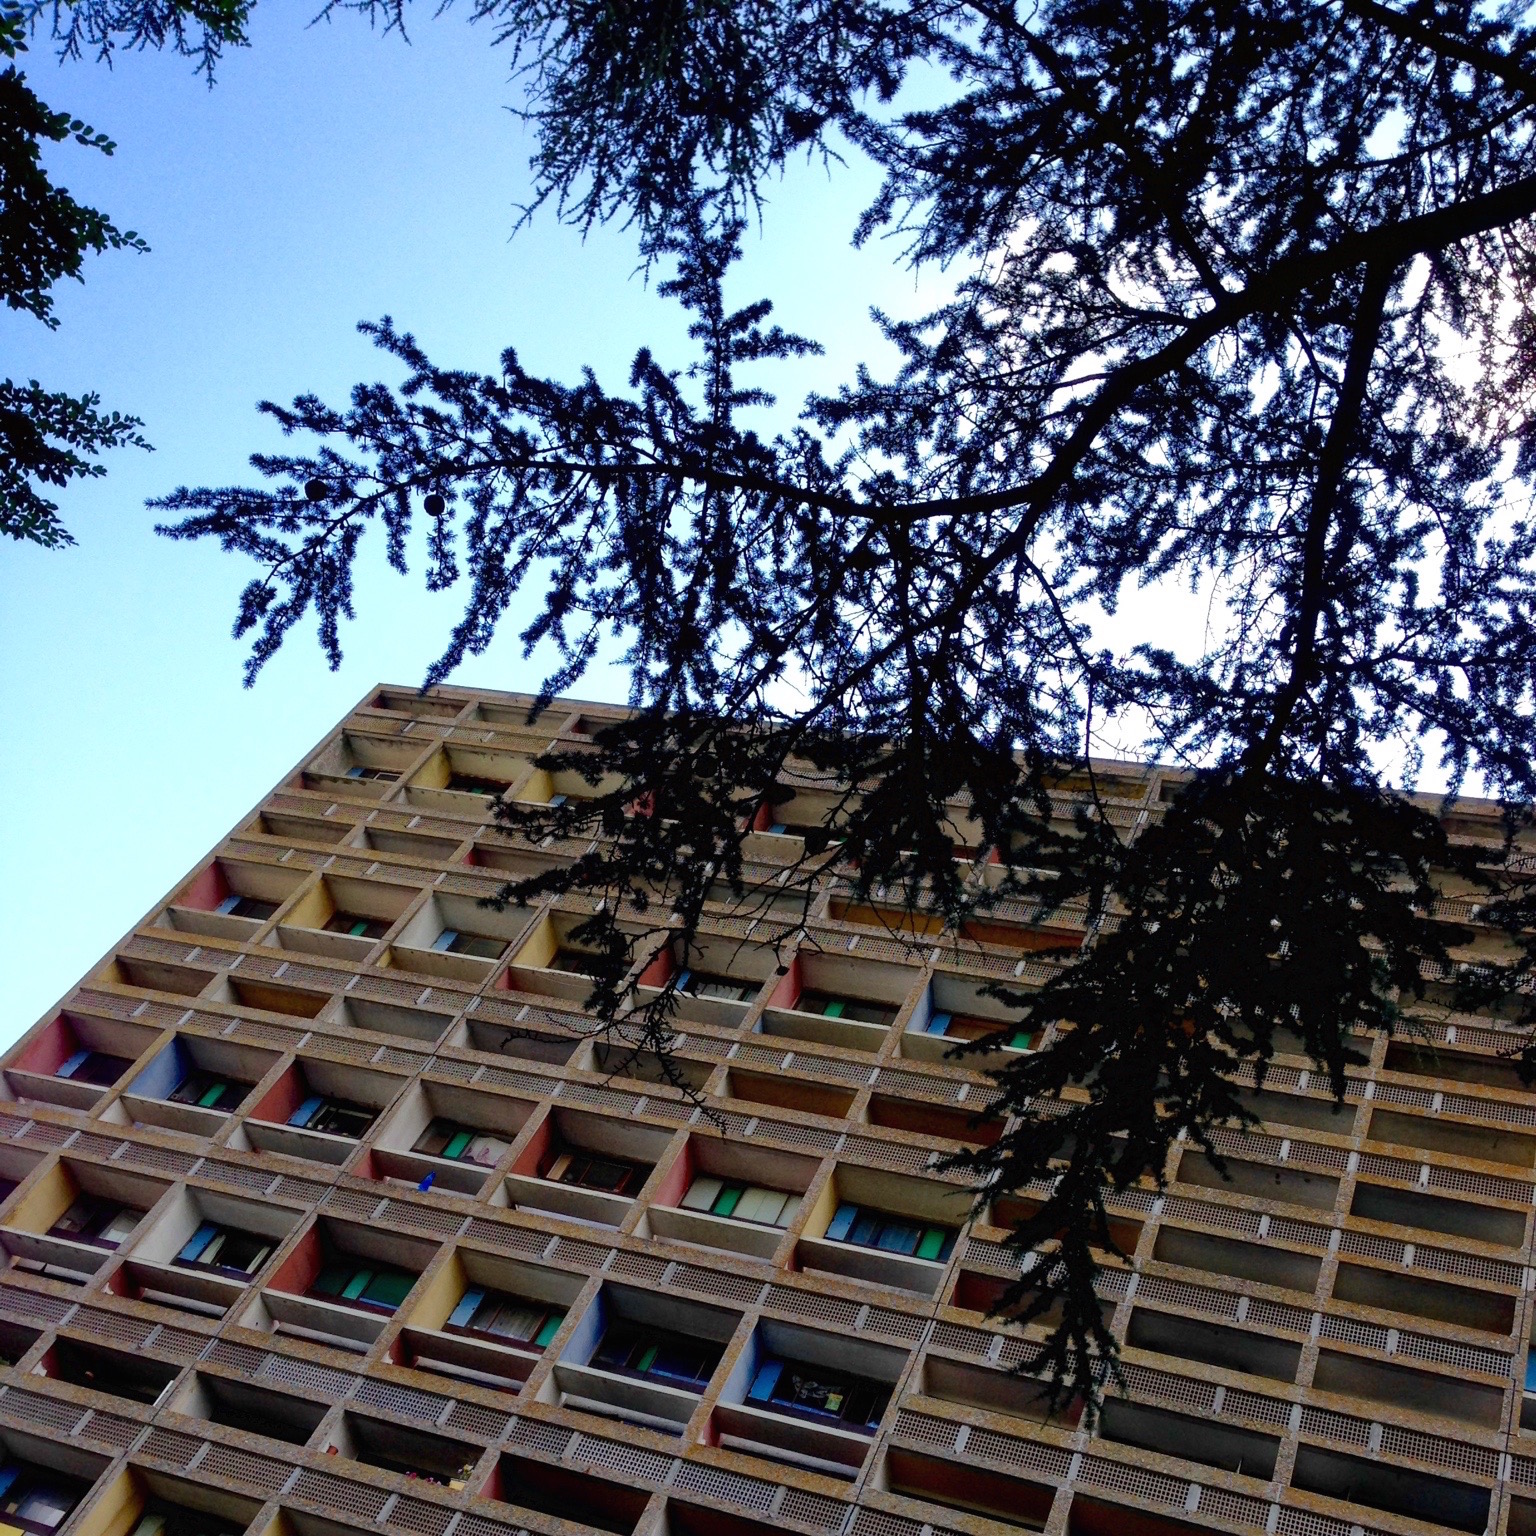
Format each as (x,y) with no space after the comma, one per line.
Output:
(322,1218)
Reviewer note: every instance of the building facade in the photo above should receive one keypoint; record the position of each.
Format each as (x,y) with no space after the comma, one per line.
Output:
(323,1216)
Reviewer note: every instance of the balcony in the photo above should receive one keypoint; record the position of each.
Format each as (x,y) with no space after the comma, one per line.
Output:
(585,1167)
(318,1109)
(390,1020)
(1438,1501)
(250,1409)
(132,1378)
(1212,1443)
(458,781)
(583,1498)
(888,1229)
(358,767)
(1237,1260)
(193,1085)
(955,1011)
(71,1222)
(37,1499)
(340,1284)
(445,1136)
(487,1319)
(1206,1343)
(1439,1301)
(718,983)
(721,1194)
(204,1249)
(1482,1223)
(807,1398)
(552,962)
(642,1358)
(965,1486)
(412,1453)
(1400,1386)
(520,1042)
(341,918)
(833,1001)
(76,1060)
(230,899)
(1261,1181)
(456,938)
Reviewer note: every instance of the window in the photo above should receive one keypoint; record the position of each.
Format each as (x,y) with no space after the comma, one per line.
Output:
(956,1026)
(359,772)
(208,1090)
(864,1228)
(470,784)
(653,1354)
(373,1288)
(246,906)
(34,1500)
(818,1392)
(743,1202)
(94,1067)
(225,1251)
(358,927)
(443,1138)
(451,942)
(587,1170)
(705,984)
(860,1010)
(337,1117)
(505,1319)
(91,1219)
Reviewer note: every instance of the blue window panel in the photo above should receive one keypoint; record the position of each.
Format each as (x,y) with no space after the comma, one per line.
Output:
(842,1223)
(306,1111)
(765,1381)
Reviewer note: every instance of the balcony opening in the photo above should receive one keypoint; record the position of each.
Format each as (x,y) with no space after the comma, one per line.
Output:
(1297,1109)
(231,899)
(807,1398)
(75,1218)
(997,1390)
(356,766)
(415,846)
(342,918)
(641,1357)
(890,1229)
(582,1497)
(341,1283)
(270,997)
(1237,1260)
(1262,1181)
(1434,1213)
(999,1496)
(445,1136)
(1207,1441)
(520,1042)
(37,1499)
(488,1319)
(456,938)
(784,1092)
(1091,1517)
(1393,1291)
(583,1165)
(1229,1349)
(320,831)
(392,1020)
(410,1452)
(1440,1065)
(1481,1143)
(831,1000)
(1396,1490)
(942,1120)
(134,1377)
(551,961)
(1400,1386)
(955,1011)
(75,1059)
(461,781)
(722,1194)
(614,1060)
(193,1084)
(319,1109)
(257,1410)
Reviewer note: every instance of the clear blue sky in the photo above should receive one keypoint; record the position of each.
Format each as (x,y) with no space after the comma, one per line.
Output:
(332,175)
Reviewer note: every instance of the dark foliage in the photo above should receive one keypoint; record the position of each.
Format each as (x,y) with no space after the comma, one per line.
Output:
(46,437)
(1249,316)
